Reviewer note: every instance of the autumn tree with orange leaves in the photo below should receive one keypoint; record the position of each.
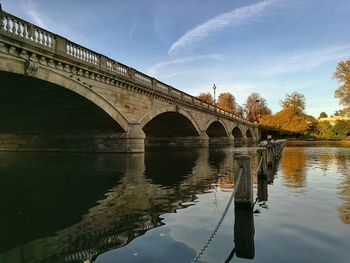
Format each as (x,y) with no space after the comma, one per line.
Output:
(227,102)
(256,107)
(206,97)
(291,117)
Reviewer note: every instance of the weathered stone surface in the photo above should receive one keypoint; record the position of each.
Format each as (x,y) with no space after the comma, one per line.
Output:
(132,99)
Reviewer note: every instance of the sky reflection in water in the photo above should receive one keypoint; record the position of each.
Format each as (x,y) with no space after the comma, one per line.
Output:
(162,206)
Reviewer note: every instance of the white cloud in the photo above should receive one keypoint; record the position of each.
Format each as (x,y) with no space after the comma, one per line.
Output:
(236,17)
(166,68)
(30,7)
(303,60)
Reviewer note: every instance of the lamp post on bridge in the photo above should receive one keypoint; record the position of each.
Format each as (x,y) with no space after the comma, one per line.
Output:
(214,88)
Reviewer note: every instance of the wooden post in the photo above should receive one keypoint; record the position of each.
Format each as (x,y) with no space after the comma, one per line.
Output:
(262,153)
(244,194)
(270,156)
(262,188)
(244,233)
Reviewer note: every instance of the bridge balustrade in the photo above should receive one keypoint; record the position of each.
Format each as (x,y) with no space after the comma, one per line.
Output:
(29,50)
(28,32)
(81,53)
(34,35)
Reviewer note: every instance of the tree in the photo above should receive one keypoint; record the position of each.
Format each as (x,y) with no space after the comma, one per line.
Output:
(292,117)
(256,107)
(342,75)
(295,101)
(227,102)
(323,115)
(324,129)
(312,122)
(206,97)
(343,112)
(341,129)
(287,120)
(240,111)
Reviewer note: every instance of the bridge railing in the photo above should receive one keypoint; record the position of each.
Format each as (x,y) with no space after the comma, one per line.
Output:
(26,31)
(81,53)
(21,30)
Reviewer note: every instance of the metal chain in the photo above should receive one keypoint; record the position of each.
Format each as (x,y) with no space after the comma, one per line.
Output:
(259,166)
(228,206)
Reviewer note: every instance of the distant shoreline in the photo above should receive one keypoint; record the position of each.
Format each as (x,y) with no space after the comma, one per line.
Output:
(296,143)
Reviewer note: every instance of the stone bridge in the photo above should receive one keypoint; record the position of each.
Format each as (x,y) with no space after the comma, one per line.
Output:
(57,95)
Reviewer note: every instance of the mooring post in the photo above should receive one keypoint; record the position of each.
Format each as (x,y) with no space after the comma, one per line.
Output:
(262,191)
(244,194)
(270,154)
(262,157)
(244,232)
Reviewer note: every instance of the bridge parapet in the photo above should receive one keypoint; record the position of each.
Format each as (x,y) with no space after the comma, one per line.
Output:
(18,30)
(81,53)
(26,31)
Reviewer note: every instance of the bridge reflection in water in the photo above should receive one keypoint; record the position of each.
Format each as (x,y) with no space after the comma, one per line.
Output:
(76,206)
(72,207)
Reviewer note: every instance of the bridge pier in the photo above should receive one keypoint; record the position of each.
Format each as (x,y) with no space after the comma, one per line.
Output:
(185,141)
(65,97)
(134,139)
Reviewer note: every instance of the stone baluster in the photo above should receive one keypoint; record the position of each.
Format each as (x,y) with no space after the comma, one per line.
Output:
(15,27)
(8,26)
(1,19)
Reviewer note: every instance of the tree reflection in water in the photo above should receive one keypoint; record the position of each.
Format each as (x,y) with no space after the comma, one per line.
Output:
(59,207)
(343,166)
(293,167)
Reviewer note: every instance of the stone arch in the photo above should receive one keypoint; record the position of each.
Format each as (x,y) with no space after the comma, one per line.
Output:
(76,87)
(253,132)
(168,108)
(216,129)
(249,134)
(216,120)
(237,132)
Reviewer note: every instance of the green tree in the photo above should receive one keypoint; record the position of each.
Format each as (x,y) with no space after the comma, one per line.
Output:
(206,97)
(323,115)
(342,75)
(256,107)
(341,129)
(312,122)
(227,102)
(295,101)
(343,112)
(324,129)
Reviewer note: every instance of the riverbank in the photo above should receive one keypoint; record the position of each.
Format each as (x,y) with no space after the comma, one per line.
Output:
(317,143)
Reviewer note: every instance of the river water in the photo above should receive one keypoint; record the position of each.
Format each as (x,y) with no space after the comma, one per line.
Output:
(163,205)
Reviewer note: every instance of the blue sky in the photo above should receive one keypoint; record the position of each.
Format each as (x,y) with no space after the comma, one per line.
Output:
(272,47)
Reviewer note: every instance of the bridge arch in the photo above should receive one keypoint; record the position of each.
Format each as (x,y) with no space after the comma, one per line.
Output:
(75,86)
(249,134)
(237,132)
(148,117)
(216,128)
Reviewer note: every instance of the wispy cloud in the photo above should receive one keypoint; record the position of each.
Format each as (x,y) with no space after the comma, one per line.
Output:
(168,68)
(132,30)
(239,16)
(32,10)
(303,60)
(45,18)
